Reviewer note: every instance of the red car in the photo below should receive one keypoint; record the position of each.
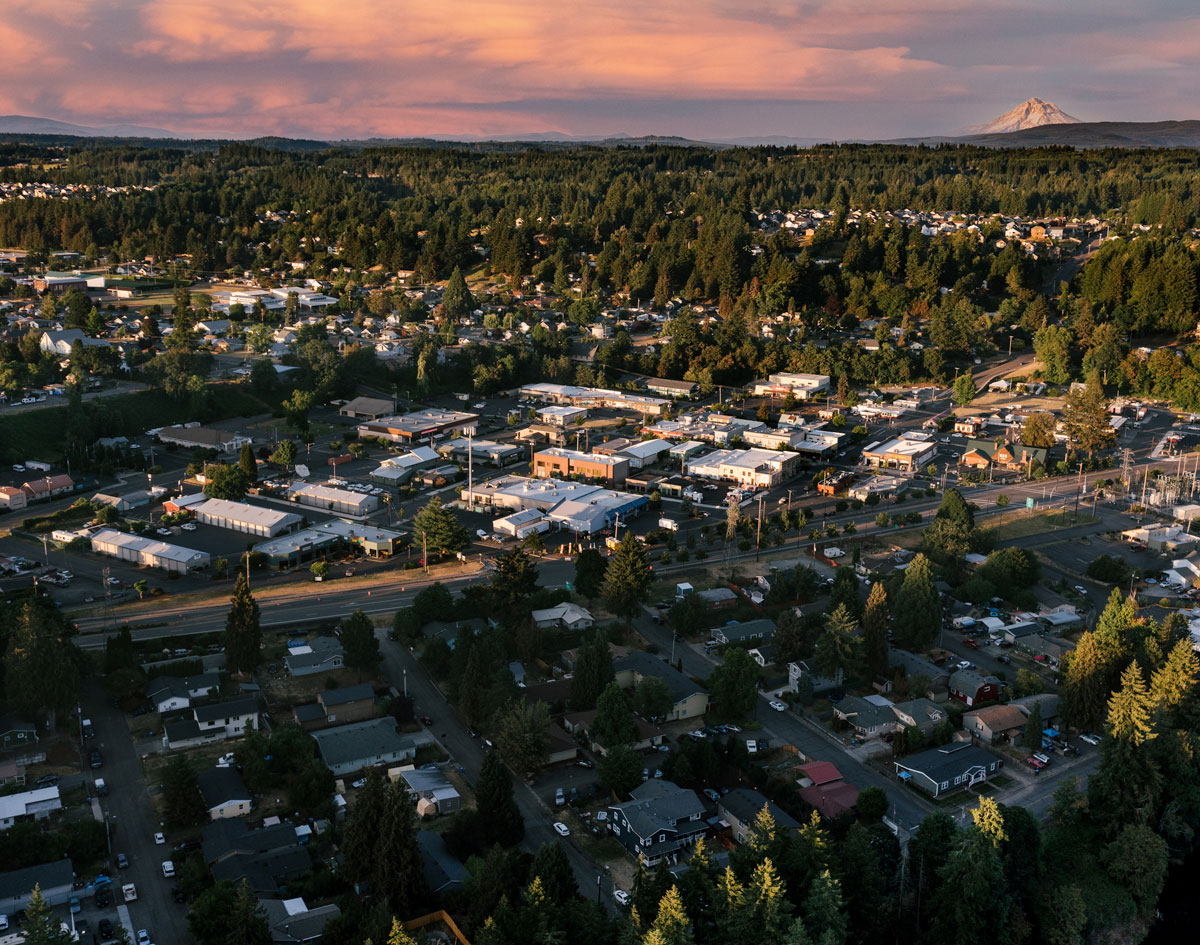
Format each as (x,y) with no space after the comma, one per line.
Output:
(971,643)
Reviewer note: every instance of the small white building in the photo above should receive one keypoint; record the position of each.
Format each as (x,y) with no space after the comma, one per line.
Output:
(148,552)
(343,501)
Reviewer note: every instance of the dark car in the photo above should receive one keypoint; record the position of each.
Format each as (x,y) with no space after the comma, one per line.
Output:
(187,846)
(967,641)
(46,780)
(426,720)
(105,928)
(81,928)
(177,894)
(95,758)
(103,899)
(122,861)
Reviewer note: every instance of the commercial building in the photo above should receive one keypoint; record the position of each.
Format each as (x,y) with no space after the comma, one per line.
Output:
(645,452)
(334,500)
(576,506)
(560,463)
(399,469)
(800,386)
(193,436)
(881,486)
(520,524)
(367,408)
(12,499)
(420,425)
(754,467)
(595,397)
(48,487)
(58,283)
(148,552)
(244,517)
(715,428)
(908,453)
(561,415)
(481,451)
(316,541)
(673,389)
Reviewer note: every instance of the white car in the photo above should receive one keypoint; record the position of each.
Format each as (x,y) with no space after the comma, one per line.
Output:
(621,896)
(159,838)
(1080,589)
(777,705)
(143,937)
(963,664)
(1090,738)
(562,829)
(163,531)
(188,526)
(18,468)
(168,868)
(361,782)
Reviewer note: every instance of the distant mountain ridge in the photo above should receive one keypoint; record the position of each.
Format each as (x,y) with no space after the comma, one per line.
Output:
(28,125)
(1032,113)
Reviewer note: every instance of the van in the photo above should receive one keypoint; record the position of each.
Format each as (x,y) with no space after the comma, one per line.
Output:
(101,788)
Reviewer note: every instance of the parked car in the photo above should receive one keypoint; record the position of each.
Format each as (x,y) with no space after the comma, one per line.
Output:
(562,829)
(159,838)
(621,896)
(95,758)
(122,861)
(168,869)
(105,928)
(967,641)
(711,794)
(777,705)
(1090,738)
(559,798)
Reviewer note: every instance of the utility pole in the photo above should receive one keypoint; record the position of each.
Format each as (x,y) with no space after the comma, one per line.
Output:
(424,553)
(470,481)
(758,533)
(1078,490)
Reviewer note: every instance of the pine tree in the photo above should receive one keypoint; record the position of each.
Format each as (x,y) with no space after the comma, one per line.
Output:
(248,920)
(247,463)
(437,527)
(42,926)
(1084,688)
(671,927)
(845,592)
(954,508)
(1129,709)
(1173,686)
(875,621)
(243,635)
(823,911)
(499,815)
(627,579)
(1034,726)
(397,936)
(397,875)
(589,573)
(456,299)
(362,827)
(360,644)
(836,654)
(551,866)
(614,723)
(771,908)
(918,610)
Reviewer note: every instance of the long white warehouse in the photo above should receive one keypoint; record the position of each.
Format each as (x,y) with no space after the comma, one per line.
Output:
(148,552)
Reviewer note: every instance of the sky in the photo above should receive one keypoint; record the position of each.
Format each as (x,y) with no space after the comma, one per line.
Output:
(703,69)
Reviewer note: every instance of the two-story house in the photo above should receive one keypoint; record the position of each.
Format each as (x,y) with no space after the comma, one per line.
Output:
(213,722)
(660,821)
(970,688)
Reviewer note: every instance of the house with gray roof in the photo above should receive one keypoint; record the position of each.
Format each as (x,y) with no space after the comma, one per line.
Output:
(744,632)
(690,700)
(54,879)
(868,719)
(292,922)
(349,748)
(948,768)
(921,713)
(225,793)
(316,656)
(171,693)
(914,666)
(741,806)
(661,820)
(443,871)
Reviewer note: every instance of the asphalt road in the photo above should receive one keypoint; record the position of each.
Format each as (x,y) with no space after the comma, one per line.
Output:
(786,727)
(133,823)
(404,670)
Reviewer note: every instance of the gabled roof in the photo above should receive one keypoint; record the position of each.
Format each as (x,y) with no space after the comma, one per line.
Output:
(999,718)
(230,708)
(221,784)
(745,804)
(346,694)
(657,806)
(940,764)
(967,680)
(644,664)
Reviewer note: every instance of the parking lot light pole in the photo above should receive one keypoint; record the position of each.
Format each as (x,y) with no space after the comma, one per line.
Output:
(597,889)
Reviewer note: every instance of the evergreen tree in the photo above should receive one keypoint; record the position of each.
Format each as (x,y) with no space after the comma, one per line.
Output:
(1129,709)
(247,919)
(593,671)
(1085,417)
(551,866)
(513,581)
(499,816)
(247,463)
(652,699)
(671,926)
(397,876)
(1084,687)
(1034,726)
(41,664)
(975,902)
(362,827)
(1173,687)
(918,610)
(589,573)
(627,579)
(845,592)
(614,723)
(522,738)
(734,685)
(360,644)
(875,621)
(457,301)
(41,925)
(620,769)
(823,911)
(243,635)
(954,508)
(439,529)
(183,806)
(836,655)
